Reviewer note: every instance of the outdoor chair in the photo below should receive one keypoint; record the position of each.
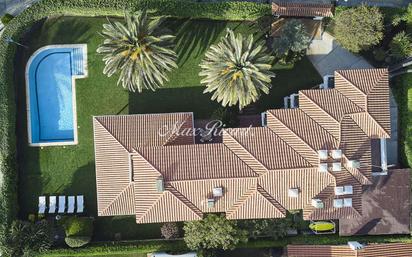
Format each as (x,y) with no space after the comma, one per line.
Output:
(52,204)
(62,204)
(71,203)
(42,204)
(80,204)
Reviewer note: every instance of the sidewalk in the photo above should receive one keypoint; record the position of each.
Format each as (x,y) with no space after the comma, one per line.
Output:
(15,7)
(327,56)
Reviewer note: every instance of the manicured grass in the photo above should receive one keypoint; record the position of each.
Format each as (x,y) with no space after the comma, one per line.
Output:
(70,170)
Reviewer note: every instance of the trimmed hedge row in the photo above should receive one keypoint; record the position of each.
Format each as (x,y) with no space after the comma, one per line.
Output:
(120,248)
(16,28)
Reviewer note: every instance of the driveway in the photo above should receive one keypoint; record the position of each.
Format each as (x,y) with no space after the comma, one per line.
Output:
(327,56)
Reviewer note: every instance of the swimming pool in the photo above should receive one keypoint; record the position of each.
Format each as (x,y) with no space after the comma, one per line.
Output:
(50,92)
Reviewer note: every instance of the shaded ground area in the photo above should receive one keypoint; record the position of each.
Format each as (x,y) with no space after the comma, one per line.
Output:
(386,207)
(70,170)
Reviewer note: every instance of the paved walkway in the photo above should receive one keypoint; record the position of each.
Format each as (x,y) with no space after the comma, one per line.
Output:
(14,7)
(327,56)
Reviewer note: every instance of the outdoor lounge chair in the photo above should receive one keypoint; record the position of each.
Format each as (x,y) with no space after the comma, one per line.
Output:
(71,203)
(80,204)
(62,204)
(42,204)
(52,204)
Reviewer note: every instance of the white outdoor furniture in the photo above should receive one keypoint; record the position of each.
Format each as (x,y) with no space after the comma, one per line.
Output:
(71,203)
(52,204)
(80,204)
(62,204)
(42,204)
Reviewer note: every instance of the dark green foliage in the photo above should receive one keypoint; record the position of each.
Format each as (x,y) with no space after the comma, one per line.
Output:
(274,228)
(5,19)
(213,232)
(292,43)
(359,28)
(170,230)
(25,239)
(77,241)
(401,46)
(405,17)
(79,231)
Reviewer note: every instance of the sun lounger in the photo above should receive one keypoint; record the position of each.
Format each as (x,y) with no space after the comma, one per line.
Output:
(71,203)
(52,204)
(62,204)
(42,204)
(80,204)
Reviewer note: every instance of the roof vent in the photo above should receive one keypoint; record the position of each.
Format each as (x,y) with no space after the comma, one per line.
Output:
(353,164)
(354,245)
(317,203)
(323,154)
(293,192)
(336,166)
(339,191)
(160,184)
(323,167)
(210,203)
(336,154)
(217,192)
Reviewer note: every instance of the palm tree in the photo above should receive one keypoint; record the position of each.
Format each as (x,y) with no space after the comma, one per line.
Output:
(237,70)
(138,50)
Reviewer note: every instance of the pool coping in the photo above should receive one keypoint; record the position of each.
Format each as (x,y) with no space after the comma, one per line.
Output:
(73,77)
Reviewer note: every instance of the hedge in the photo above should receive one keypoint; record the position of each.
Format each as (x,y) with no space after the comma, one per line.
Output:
(124,247)
(16,28)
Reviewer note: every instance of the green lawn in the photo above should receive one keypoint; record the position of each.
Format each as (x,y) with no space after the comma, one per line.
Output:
(70,170)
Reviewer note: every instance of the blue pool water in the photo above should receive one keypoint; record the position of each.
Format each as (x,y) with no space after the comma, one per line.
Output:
(51,96)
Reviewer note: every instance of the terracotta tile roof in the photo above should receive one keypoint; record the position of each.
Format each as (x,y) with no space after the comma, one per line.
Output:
(268,148)
(261,172)
(283,8)
(370,250)
(194,162)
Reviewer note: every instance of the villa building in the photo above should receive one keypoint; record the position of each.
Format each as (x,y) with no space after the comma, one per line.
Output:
(320,157)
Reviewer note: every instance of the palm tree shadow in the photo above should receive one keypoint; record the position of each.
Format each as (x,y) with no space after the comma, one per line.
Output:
(193,38)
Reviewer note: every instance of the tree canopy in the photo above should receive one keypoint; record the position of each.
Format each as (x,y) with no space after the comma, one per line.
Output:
(213,232)
(359,28)
(401,46)
(139,50)
(237,70)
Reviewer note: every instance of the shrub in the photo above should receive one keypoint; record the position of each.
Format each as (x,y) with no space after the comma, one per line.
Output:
(77,241)
(401,46)
(170,230)
(78,226)
(379,54)
(359,28)
(213,232)
(5,19)
(25,239)
(404,17)
(274,228)
(292,43)
(228,116)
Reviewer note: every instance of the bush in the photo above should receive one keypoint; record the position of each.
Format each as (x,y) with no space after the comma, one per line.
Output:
(228,116)
(274,228)
(359,28)
(77,241)
(5,19)
(379,54)
(46,8)
(401,46)
(170,230)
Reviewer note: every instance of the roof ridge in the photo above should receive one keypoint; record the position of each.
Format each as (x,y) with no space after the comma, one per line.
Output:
(249,153)
(315,103)
(350,82)
(116,198)
(373,119)
(271,199)
(241,201)
(293,132)
(110,133)
(185,200)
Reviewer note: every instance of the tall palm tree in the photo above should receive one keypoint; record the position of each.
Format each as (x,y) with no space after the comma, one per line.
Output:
(139,50)
(237,70)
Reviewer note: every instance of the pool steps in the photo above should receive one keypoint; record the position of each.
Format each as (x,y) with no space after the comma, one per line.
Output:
(78,65)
